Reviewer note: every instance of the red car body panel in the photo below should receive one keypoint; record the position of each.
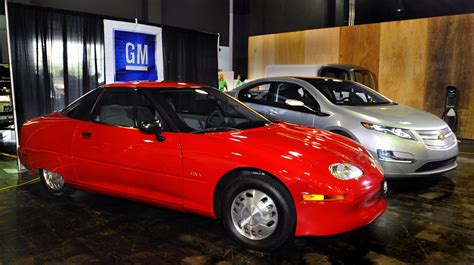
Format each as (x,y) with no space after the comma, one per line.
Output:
(183,171)
(126,160)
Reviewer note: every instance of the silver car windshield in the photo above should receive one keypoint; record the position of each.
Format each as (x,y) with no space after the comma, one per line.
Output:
(347,93)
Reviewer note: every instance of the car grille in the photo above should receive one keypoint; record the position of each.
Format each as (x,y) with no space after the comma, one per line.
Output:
(438,139)
(436,164)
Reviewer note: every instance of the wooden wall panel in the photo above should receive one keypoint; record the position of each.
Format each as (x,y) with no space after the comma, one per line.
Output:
(451,63)
(403,60)
(289,48)
(466,128)
(414,60)
(301,47)
(261,53)
(321,46)
(360,45)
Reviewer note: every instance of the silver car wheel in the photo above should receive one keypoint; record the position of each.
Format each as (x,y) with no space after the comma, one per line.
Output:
(53,180)
(254,214)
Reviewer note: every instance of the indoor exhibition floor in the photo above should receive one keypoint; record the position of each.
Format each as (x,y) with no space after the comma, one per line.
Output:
(427,221)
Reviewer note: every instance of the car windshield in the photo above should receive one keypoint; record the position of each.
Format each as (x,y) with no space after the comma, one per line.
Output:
(202,110)
(347,93)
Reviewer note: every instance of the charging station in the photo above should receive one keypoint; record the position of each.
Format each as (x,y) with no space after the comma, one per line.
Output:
(450,115)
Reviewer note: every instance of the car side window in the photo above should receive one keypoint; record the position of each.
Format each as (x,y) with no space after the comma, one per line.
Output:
(366,78)
(81,108)
(146,112)
(334,73)
(258,94)
(115,108)
(280,92)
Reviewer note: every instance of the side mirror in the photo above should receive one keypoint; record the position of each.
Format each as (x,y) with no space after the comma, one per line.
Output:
(298,103)
(294,103)
(152,127)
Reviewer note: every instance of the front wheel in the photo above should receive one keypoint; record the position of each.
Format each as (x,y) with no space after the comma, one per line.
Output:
(53,183)
(258,212)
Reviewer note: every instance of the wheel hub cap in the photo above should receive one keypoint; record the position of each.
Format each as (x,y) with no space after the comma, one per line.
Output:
(254,214)
(53,180)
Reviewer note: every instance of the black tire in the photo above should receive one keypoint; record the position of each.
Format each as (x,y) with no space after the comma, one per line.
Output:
(283,202)
(64,190)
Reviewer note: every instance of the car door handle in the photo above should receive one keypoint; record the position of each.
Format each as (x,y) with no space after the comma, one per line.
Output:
(86,135)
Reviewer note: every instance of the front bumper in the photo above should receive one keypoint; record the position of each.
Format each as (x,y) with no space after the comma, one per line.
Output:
(433,172)
(335,217)
(426,162)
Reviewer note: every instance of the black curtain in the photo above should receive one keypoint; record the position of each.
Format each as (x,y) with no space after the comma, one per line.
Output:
(58,55)
(190,56)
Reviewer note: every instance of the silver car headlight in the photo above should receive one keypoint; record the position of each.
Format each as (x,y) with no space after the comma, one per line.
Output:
(345,171)
(402,133)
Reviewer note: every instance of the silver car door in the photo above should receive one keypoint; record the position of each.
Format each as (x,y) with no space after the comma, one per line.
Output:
(279,109)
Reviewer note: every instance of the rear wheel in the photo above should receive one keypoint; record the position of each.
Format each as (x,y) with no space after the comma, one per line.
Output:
(258,212)
(53,183)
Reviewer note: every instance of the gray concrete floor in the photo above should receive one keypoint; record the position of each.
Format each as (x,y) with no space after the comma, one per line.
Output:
(428,221)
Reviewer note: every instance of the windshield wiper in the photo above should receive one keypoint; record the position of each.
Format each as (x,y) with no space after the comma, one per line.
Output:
(253,124)
(215,129)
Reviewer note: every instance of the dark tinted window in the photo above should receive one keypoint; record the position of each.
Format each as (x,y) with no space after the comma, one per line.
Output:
(146,112)
(334,73)
(207,109)
(280,92)
(115,108)
(81,108)
(365,77)
(255,94)
(347,93)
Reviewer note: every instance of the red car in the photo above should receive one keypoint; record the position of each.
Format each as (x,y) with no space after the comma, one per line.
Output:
(192,148)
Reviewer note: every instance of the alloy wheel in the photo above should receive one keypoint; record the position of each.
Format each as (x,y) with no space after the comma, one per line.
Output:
(254,214)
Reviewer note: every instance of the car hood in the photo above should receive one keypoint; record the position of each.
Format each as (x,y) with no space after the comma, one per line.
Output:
(298,142)
(397,116)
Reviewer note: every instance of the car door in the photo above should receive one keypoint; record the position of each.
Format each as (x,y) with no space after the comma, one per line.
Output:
(278,109)
(112,155)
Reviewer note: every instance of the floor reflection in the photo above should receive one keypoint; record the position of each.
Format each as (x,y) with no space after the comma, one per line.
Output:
(427,221)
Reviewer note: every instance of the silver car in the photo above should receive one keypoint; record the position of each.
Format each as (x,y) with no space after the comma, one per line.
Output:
(407,142)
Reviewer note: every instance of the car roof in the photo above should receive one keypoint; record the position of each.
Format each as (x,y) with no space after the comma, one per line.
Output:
(288,78)
(346,66)
(295,79)
(153,84)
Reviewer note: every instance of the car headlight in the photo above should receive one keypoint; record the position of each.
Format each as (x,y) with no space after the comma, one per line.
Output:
(345,171)
(402,133)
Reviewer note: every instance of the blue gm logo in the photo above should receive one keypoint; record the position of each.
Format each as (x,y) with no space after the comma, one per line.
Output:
(134,56)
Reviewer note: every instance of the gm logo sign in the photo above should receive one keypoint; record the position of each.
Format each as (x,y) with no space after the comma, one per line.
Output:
(134,56)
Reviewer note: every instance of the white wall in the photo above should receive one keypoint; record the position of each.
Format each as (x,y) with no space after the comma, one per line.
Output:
(224,58)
